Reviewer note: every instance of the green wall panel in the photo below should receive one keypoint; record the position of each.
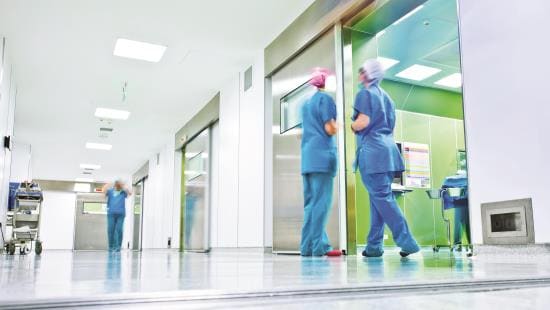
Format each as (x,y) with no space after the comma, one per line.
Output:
(423,214)
(418,207)
(443,152)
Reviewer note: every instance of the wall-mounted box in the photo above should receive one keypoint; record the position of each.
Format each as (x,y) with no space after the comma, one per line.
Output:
(508,222)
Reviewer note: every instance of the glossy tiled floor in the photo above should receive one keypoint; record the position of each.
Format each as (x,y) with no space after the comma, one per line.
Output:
(64,274)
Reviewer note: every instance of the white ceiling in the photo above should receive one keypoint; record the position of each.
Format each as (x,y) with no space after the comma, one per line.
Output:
(63,49)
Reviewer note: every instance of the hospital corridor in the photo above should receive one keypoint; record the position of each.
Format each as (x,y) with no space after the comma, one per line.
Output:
(297,154)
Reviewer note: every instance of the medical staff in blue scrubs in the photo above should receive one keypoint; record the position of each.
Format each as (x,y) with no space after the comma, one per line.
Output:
(318,167)
(378,160)
(116,211)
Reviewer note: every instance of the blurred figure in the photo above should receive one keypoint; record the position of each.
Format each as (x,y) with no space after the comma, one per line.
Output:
(378,160)
(116,211)
(318,167)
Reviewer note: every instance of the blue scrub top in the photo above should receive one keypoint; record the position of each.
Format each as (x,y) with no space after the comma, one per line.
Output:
(460,181)
(318,148)
(116,201)
(375,144)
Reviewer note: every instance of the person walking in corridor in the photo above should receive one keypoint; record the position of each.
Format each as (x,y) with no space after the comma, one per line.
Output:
(378,160)
(116,211)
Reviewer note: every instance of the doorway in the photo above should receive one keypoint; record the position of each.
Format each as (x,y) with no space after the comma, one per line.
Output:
(417,44)
(91,222)
(196,193)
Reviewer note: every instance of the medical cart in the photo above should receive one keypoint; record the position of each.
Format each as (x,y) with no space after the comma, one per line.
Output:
(26,220)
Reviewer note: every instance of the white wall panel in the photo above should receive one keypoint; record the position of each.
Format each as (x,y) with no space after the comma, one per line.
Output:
(251,159)
(228,211)
(505,66)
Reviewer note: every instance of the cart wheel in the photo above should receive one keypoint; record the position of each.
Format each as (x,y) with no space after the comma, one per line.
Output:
(11,248)
(38,247)
(22,250)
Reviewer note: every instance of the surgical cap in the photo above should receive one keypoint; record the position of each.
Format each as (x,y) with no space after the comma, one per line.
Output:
(374,71)
(318,77)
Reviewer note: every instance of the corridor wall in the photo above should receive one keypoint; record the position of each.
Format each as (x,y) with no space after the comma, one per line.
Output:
(506,105)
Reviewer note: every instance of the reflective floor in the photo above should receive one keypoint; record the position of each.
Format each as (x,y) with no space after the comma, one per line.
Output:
(64,274)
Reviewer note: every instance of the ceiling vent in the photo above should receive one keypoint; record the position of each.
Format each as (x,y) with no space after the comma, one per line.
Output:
(105,131)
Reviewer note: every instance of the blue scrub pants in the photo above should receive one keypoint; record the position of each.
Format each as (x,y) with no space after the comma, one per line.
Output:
(384,210)
(115,225)
(462,222)
(317,203)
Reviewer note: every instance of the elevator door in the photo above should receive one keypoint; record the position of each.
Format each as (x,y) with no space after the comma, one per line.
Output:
(139,189)
(196,178)
(91,222)
(289,91)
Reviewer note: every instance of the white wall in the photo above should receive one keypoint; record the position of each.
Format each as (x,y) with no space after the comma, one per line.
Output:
(21,168)
(158,213)
(57,220)
(229,165)
(251,159)
(241,175)
(8,93)
(505,65)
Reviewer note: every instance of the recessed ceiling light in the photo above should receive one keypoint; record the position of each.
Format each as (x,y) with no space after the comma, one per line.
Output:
(87,180)
(111,113)
(418,8)
(90,166)
(454,81)
(98,146)
(387,62)
(82,187)
(139,50)
(417,72)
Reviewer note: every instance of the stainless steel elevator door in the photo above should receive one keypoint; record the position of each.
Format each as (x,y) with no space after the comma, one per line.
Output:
(91,222)
(288,202)
(138,215)
(197,193)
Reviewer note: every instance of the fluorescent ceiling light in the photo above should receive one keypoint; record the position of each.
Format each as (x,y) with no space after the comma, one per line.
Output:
(417,72)
(82,187)
(380,33)
(418,8)
(98,146)
(87,180)
(387,62)
(90,166)
(454,81)
(111,113)
(139,50)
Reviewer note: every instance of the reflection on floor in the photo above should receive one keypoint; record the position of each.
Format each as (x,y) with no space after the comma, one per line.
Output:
(82,275)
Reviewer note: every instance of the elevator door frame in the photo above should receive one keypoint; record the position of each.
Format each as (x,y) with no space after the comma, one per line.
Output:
(208,201)
(336,227)
(139,246)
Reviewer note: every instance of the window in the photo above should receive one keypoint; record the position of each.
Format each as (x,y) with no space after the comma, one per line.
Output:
(94,208)
(291,105)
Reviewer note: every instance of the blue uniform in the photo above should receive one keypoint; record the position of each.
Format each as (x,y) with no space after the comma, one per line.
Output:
(116,211)
(319,167)
(378,159)
(460,204)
